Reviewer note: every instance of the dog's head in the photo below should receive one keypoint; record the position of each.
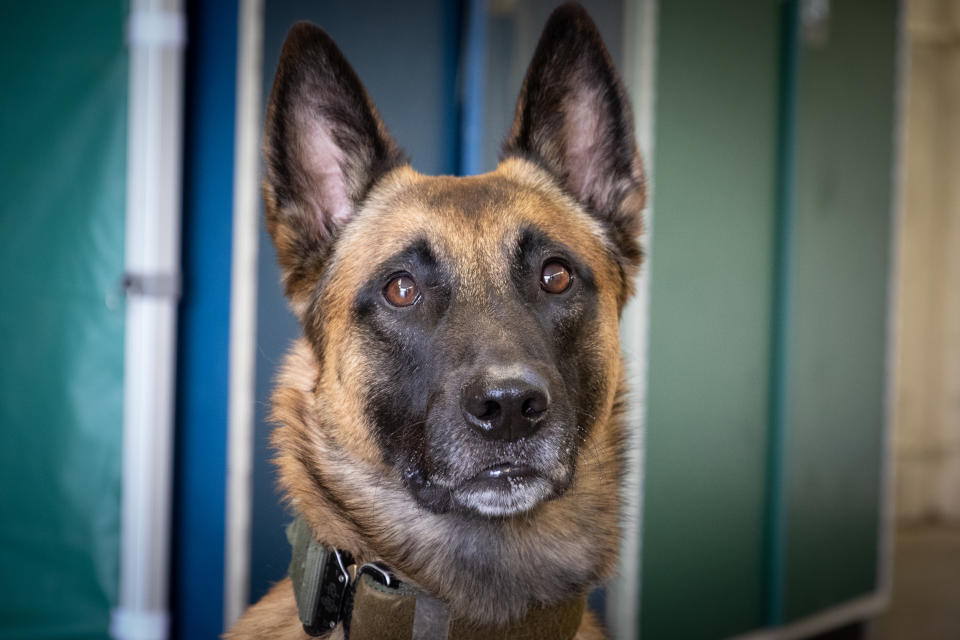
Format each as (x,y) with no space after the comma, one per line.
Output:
(465,329)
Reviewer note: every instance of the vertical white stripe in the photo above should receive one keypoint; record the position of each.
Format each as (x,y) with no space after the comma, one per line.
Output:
(156,37)
(639,72)
(243,311)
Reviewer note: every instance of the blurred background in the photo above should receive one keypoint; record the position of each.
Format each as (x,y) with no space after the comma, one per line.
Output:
(794,345)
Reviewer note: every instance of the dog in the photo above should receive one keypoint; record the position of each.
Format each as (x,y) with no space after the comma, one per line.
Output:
(449,427)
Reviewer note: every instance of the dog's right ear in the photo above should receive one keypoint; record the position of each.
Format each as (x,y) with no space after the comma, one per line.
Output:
(325,146)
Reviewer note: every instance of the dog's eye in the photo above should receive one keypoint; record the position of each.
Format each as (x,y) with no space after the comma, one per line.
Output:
(401,291)
(554,277)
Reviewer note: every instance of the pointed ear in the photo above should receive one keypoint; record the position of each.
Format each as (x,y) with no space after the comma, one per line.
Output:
(325,146)
(573,118)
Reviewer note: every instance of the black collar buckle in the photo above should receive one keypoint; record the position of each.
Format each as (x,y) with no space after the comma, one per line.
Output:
(321,582)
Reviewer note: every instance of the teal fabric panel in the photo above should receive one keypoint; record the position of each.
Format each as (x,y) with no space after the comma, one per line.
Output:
(63,70)
(710,319)
(838,321)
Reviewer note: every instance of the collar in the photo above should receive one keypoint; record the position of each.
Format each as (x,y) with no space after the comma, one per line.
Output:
(371,603)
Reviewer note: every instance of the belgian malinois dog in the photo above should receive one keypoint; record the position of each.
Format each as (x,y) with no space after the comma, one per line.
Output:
(449,427)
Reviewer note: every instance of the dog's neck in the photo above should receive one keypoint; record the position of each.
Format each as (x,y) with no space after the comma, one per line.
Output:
(488,570)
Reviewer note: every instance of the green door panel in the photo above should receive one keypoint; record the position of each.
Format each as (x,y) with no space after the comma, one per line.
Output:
(710,323)
(62,157)
(837,323)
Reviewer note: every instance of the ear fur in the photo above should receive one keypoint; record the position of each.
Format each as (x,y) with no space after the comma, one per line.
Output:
(324,148)
(573,118)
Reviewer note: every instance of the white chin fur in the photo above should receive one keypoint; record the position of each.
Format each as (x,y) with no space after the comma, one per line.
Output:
(521,496)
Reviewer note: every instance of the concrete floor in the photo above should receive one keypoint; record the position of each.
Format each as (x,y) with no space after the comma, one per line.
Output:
(926,586)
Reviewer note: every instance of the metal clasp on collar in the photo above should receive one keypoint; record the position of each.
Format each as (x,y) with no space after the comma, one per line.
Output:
(378,572)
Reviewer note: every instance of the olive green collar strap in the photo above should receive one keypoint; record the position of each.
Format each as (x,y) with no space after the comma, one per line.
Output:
(373,605)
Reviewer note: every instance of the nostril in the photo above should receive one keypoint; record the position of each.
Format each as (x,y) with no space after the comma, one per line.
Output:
(489,411)
(534,406)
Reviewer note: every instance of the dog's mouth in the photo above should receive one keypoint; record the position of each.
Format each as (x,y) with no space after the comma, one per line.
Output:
(459,472)
(505,489)
(503,472)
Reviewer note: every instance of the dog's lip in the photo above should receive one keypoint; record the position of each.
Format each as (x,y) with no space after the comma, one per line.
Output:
(506,471)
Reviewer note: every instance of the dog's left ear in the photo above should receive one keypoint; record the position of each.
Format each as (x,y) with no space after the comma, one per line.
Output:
(573,118)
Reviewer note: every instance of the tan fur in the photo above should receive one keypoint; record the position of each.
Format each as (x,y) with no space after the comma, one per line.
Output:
(403,207)
(334,446)
(342,201)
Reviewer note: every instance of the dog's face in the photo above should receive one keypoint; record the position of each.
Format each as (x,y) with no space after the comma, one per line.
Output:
(466,328)
(475,334)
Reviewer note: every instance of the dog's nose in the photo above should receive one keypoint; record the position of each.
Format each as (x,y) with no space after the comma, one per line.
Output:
(506,408)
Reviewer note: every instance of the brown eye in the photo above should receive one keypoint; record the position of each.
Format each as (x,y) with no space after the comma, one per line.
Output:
(402,291)
(555,278)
